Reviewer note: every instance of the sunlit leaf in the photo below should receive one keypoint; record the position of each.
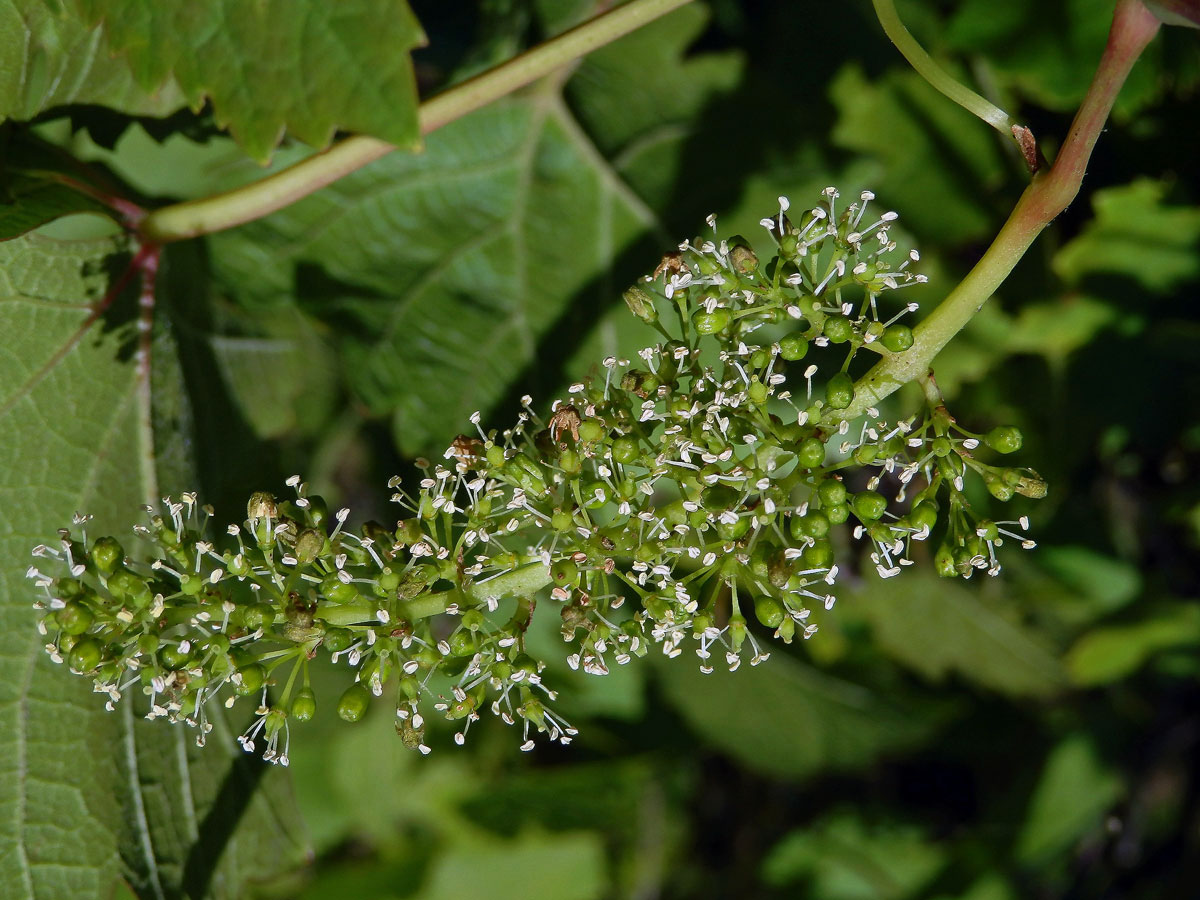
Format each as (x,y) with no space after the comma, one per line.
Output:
(87,796)
(938,627)
(308,68)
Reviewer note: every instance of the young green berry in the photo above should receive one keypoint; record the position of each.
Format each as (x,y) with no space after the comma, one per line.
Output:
(353,703)
(337,639)
(810,454)
(817,556)
(769,611)
(624,450)
(337,590)
(924,515)
(570,463)
(839,392)
(251,680)
(735,530)
(793,347)
(897,338)
(757,392)
(125,585)
(564,573)
(74,618)
(832,492)
(838,513)
(838,329)
(591,431)
(869,505)
(107,554)
(710,322)
(309,544)
(304,706)
(1004,439)
(85,655)
(173,656)
(943,561)
(813,525)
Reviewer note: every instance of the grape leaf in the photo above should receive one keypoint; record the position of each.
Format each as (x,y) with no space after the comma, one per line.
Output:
(787,719)
(308,67)
(1071,797)
(1112,652)
(39,183)
(938,627)
(87,797)
(52,60)
(1135,234)
(932,156)
(842,858)
(447,276)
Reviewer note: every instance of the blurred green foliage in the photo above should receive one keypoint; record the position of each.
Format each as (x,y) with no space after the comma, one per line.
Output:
(1034,736)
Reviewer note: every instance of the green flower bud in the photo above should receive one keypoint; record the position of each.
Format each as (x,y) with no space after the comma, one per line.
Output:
(309,545)
(641,304)
(757,392)
(743,259)
(998,488)
(943,562)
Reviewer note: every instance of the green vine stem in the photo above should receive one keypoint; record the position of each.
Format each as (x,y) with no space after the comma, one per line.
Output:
(1050,192)
(923,63)
(253,201)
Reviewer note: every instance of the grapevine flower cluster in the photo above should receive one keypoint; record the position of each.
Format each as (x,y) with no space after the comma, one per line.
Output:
(683,499)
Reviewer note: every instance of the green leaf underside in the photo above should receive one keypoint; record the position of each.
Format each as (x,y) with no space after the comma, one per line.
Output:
(309,67)
(938,628)
(53,60)
(787,719)
(442,274)
(88,796)
(28,201)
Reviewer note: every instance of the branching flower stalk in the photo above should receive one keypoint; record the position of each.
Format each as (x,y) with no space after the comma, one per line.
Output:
(1050,192)
(685,498)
